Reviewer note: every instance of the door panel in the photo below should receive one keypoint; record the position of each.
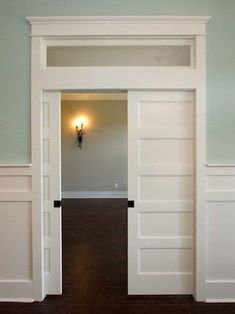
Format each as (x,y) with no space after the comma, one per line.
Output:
(161,182)
(51,192)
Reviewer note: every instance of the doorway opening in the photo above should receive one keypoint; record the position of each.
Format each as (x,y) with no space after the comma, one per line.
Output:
(160,149)
(94,194)
(96,167)
(154,189)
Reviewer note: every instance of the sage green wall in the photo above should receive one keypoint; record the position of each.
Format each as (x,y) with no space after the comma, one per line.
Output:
(15,65)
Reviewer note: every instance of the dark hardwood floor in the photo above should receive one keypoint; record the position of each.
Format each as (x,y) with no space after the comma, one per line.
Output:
(95,268)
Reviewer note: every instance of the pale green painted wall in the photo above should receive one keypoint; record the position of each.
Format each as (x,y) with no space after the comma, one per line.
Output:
(15,65)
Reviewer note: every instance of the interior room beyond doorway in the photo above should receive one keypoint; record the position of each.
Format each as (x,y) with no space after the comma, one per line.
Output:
(98,167)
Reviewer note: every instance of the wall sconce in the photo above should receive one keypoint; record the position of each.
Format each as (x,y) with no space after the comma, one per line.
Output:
(79,133)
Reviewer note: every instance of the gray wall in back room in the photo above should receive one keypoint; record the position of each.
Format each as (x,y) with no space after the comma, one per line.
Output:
(102,161)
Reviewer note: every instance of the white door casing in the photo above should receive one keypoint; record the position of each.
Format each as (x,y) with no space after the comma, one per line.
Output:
(52,192)
(110,30)
(161,183)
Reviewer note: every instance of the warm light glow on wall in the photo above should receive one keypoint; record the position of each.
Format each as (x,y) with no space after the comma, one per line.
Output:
(79,125)
(79,121)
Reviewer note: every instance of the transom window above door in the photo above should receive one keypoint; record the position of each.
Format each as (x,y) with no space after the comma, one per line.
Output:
(164,52)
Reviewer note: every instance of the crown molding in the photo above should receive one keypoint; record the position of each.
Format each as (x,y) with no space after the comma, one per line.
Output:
(52,26)
(116,19)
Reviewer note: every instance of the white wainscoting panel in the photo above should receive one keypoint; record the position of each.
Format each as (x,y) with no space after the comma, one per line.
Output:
(220,234)
(16,233)
(15,215)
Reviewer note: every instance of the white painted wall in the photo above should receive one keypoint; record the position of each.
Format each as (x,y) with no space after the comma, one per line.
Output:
(93,170)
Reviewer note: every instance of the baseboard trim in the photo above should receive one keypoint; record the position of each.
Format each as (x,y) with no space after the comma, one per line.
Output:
(18,300)
(94,194)
(16,290)
(220,300)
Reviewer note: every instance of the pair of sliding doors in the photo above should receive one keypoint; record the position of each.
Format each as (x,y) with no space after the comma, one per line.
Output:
(160,184)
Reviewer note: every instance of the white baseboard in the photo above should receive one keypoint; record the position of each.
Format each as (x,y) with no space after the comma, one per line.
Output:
(220,300)
(17,300)
(94,194)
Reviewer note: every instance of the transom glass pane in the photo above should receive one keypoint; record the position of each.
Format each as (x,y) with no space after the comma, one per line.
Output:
(133,55)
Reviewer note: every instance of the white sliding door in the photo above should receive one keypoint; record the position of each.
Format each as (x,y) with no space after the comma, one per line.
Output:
(52,193)
(161,184)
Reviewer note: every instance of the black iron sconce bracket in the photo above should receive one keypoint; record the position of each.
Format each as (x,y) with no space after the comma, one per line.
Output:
(79,135)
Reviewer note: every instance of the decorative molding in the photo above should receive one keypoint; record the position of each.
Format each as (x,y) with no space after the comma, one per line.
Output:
(220,281)
(17,186)
(116,19)
(15,171)
(17,300)
(220,196)
(15,165)
(220,171)
(220,165)
(117,25)
(220,300)
(94,194)
(16,291)
(118,78)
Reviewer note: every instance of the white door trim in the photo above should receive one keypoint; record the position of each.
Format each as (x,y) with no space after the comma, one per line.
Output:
(106,78)
(52,191)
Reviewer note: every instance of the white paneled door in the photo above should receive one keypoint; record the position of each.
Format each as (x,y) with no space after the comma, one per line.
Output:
(52,193)
(161,184)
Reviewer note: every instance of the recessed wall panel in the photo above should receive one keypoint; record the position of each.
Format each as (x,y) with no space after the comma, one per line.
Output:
(15,183)
(166,119)
(157,151)
(173,260)
(166,188)
(16,241)
(46,114)
(46,188)
(166,224)
(47,260)
(46,224)
(46,152)
(221,182)
(220,246)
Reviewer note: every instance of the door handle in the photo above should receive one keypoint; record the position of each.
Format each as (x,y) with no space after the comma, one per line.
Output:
(57,204)
(131,203)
